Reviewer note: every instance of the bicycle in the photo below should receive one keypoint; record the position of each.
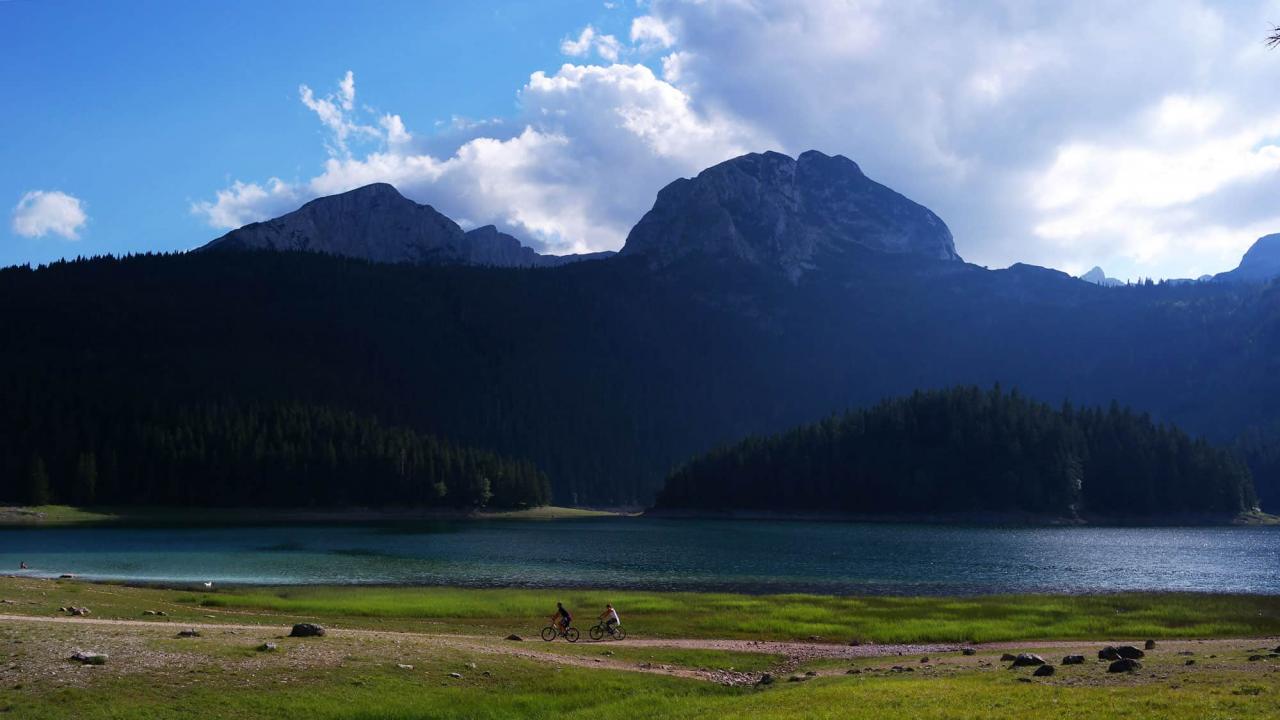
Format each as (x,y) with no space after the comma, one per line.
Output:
(598,631)
(550,632)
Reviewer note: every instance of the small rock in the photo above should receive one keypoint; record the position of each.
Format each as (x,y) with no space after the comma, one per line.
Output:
(607,652)
(1124,665)
(815,638)
(456,676)
(924,659)
(1073,660)
(307,630)
(1256,658)
(79,610)
(853,671)
(1150,645)
(1028,660)
(1186,653)
(1025,680)
(268,647)
(191,632)
(471,665)
(66,576)
(797,678)
(148,612)
(89,658)
(402,666)
(968,651)
(855,643)
(811,673)
(1008,657)
(1189,662)
(486,673)
(765,679)
(515,638)
(1044,671)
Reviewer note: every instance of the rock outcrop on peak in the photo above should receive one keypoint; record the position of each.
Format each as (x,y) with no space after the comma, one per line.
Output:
(1098,277)
(785,214)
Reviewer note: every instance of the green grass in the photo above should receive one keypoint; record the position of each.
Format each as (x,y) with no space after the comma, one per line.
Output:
(780,617)
(692,615)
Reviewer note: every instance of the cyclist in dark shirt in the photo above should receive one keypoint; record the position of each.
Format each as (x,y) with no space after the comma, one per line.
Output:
(561,618)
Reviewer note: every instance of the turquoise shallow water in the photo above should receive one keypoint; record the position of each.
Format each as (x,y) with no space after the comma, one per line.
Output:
(749,556)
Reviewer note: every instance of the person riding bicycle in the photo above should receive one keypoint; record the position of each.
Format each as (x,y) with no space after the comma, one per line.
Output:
(561,618)
(610,618)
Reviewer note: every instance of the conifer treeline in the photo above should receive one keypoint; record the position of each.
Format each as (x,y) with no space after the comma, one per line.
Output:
(966,449)
(284,455)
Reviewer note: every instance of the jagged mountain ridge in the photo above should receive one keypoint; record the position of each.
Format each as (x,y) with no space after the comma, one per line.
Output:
(377,223)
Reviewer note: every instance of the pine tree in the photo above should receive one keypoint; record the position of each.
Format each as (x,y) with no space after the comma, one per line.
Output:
(38,492)
(85,490)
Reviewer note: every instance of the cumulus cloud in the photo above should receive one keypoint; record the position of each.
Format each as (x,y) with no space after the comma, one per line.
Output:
(41,212)
(606,46)
(590,148)
(993,113)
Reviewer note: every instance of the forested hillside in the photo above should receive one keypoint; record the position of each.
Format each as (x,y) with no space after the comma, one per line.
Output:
(607,374)
(60,448)
(967,449)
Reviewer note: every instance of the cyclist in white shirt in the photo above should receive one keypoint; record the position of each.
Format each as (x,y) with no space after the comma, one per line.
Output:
(610,617)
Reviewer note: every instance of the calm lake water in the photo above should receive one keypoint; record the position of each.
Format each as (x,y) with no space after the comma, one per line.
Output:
(671,555)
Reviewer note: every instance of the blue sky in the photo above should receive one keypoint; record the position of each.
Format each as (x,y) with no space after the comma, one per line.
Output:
(1135,135)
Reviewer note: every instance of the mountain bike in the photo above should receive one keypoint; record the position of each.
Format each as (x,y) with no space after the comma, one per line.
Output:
(599,630)
(550,632)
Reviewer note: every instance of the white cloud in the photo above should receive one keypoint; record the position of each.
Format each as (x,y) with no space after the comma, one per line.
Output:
(334,110)
(650,33)
(595,145)
(964,106)
(606,46)
(41,212)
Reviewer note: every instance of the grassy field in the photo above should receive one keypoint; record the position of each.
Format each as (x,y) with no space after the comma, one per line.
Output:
(694,615)
(376,674)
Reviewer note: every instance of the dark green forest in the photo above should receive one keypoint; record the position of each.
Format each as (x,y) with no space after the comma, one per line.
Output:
(967,449)
(238,455)
(604,374)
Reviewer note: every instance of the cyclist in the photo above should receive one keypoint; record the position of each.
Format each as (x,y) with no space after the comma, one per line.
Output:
(610,617)
(561,618)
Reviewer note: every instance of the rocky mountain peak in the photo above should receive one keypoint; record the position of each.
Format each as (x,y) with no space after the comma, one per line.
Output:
(786,214)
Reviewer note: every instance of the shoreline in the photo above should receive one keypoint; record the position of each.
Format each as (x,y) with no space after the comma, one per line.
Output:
(68,516)
(982,519)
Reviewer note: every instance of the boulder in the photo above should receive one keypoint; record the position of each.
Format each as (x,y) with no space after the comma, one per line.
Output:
(968,651)
(1073,660)
(1150,645)
(1008,657)
(89,658)
(1119,652)
(515,638)
(307,630)
(1124,665)
(1028,660)
(78,610)
(190,632)
(765,679)
(455,676)
(1044,671)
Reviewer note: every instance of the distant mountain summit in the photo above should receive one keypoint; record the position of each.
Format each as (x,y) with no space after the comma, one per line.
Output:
(785,214)
(1098,277)
(377,223)
(1260,264)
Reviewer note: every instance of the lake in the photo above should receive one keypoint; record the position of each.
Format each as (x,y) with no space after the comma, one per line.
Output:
(744,556)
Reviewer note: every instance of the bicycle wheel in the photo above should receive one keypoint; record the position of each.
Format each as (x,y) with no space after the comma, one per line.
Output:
(571,634)
(548,633)
(596,632)
(619,633)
